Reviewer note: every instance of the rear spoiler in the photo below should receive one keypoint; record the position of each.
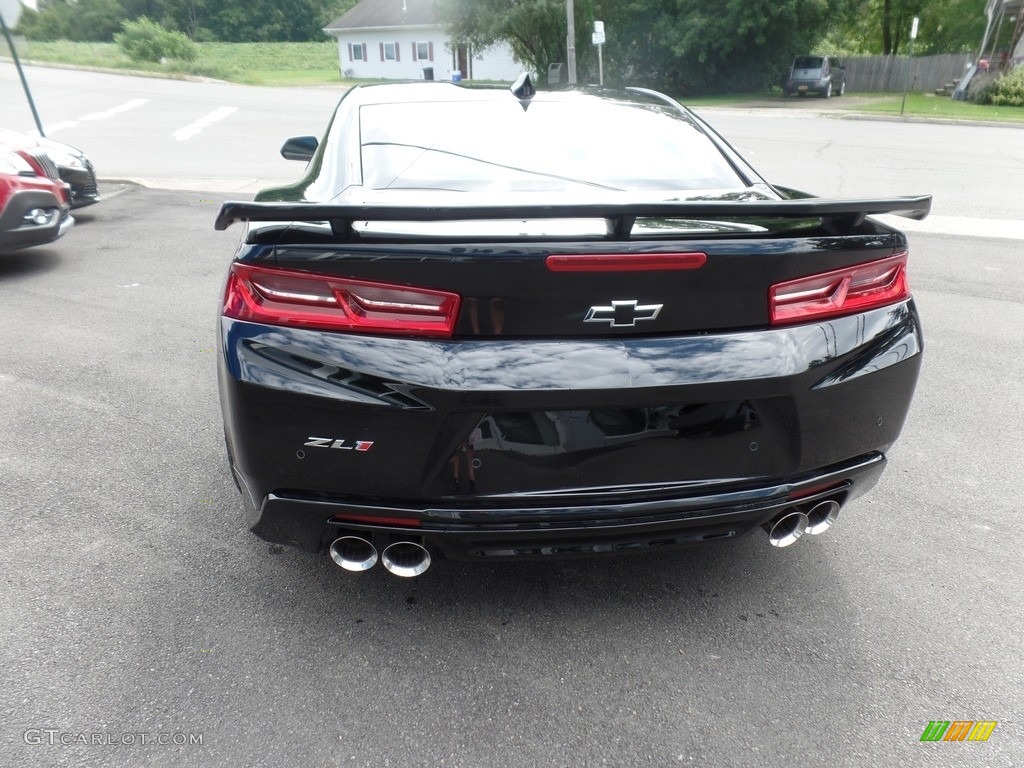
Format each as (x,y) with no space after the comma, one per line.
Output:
(620,217)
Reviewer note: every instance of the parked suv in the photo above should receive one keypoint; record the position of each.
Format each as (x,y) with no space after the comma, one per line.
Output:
(823,75)
(33,207)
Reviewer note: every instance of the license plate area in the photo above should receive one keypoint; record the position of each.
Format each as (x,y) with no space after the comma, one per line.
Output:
(535,451)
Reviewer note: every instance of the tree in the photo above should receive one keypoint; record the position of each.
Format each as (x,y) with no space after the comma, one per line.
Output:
(534,29)
(691,46)
(951,26)
(271,20)
(229,20)
(883,26)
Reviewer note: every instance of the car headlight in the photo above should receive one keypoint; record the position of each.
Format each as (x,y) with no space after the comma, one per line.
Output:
(13,163)
(62,154)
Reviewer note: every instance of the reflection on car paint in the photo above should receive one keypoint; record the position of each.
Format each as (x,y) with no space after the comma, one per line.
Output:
(501,439)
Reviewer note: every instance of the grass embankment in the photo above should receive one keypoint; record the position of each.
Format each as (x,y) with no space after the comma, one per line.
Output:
(888,104)
(927,105)
(250,63)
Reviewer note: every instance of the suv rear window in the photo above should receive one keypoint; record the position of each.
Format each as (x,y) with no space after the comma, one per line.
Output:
(807,62)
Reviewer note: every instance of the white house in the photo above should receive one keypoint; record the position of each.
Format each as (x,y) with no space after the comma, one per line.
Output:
(403,40)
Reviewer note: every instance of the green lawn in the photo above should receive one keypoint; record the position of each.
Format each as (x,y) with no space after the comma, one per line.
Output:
(253,63)
(918,105)
(927,105)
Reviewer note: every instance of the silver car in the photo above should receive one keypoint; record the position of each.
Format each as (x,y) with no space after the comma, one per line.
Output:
(823,75)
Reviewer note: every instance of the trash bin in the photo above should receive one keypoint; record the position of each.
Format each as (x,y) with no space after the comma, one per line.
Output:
(456,76)
(556,73)
(428,73)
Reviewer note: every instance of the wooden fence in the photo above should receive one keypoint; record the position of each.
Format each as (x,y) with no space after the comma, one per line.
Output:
(897,73)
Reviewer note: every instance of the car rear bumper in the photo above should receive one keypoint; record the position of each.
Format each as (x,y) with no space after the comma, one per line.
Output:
(807,86)
(482,531)
(784,414)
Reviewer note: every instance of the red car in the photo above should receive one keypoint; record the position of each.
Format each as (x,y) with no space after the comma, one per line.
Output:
(34,206)
(57,160)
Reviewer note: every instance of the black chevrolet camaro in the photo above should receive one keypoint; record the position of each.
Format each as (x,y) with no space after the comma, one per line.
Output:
(494,323)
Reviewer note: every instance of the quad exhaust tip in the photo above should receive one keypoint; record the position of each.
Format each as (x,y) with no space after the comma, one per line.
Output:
(402,558)
(793,523)
(822,517)
(354,553)
(787,529)
(405,559)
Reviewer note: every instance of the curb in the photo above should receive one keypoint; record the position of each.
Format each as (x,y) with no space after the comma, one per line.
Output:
(112,71)
(933,120)
(877,117)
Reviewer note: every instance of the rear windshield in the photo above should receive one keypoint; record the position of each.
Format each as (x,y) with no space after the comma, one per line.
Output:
(807,62)
(549,147)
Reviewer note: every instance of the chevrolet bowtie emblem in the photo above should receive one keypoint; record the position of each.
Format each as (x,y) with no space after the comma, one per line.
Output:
(623,314)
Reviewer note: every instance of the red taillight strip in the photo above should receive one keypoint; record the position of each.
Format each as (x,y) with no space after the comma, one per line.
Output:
(326,302)
(624,262)
(803,493)
(840,292)
(400,522)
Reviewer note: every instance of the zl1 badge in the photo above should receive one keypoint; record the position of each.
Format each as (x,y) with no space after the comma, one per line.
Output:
(329,442)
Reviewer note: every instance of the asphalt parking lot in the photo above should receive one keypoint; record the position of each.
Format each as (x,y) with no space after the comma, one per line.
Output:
(141,624)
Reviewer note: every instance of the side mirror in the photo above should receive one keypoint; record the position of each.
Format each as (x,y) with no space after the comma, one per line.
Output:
(299,148)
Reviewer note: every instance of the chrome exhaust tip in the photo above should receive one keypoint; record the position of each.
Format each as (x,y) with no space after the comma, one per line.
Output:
(353,553)
(787,528)
(405,559)
(822,516)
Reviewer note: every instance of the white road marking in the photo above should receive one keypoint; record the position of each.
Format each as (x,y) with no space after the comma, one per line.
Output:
(115,110)
(128,105)
(183,134)
(51,129)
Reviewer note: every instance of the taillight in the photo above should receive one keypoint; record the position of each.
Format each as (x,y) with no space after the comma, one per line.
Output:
(624,262)
(840,292)
(308,300)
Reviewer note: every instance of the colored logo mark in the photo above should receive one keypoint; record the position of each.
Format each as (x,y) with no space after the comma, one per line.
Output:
(959,730)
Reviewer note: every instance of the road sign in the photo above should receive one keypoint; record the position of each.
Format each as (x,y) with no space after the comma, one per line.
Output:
(598,37)
(11,11)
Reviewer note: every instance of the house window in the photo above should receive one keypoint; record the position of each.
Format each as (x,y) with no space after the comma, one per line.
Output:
(389,52)
(357,51)
(422,51)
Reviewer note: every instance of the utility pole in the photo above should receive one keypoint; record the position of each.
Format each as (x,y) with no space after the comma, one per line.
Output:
(570,20)
(15,13)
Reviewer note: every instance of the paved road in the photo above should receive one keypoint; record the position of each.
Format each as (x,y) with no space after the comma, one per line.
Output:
(225,138)
(133,602)
(975,173)
(170,133)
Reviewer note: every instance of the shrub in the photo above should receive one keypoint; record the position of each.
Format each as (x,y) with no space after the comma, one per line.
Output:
(1008,90)
(981,92)
(145,40)
(81,21)
(46,25)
